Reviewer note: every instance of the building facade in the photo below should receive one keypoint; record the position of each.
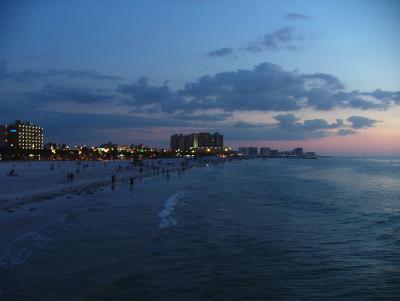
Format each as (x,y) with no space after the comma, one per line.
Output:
(196,140)
(248,151)
(21,135)
(177,142)
(265,151)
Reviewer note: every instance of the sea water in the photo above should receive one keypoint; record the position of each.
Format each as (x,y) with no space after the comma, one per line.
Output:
(272,229)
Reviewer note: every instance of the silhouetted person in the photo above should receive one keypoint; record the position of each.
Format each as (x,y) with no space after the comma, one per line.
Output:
(113,179)
(131,182)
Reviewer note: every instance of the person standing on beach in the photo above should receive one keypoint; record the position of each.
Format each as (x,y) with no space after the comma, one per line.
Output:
(131,181)
(113,179)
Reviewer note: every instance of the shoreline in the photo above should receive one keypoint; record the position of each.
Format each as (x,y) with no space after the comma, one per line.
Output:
(12,202)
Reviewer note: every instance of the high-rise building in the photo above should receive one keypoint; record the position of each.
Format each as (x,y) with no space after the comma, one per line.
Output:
(21,135)
(204,139)
(248,151)
(218,140)
(177,142)
(298,151)
(265,151)
(196,140)
(275,153)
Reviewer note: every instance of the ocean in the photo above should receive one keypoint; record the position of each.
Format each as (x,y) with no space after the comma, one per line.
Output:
(262,229)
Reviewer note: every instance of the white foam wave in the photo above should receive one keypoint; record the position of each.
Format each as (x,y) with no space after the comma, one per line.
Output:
(23,246)
(166,218)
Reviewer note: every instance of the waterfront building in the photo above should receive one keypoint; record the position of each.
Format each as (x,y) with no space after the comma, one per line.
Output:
(196,140)
(248,151)
(275,153)
(265,151)
(21,135)
(298,151)
(177,142)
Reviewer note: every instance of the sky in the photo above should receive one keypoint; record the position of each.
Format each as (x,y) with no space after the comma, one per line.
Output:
(324,75)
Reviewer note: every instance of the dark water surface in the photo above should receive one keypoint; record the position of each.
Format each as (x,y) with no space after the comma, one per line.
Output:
(326,229)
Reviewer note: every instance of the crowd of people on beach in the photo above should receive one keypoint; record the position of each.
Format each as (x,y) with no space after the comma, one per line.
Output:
(152,167)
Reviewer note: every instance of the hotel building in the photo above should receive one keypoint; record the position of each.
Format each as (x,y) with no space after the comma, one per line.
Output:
(196,140)
(21,135)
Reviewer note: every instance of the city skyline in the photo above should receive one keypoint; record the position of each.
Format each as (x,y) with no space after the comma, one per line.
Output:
(273,74)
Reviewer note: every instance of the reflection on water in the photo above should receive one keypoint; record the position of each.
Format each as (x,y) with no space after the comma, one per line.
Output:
(257,230)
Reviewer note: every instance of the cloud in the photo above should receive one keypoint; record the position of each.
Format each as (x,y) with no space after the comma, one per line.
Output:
(346,132)
(315,124)
(286,37)
(142,93)
(266,87)
(290,121)
(294,17)
(288,127)
(208,103)
(221,52)
(211,117)
(248,125)
(323,80)
(360,122)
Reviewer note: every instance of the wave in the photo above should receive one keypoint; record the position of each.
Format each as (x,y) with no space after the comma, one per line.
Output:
(23,246)
(166,218)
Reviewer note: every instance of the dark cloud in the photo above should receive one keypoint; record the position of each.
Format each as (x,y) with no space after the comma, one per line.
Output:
(212,117)
(289,127)
(316,124)
(294,16)
(384,95)
(286,37)
(142,93)
(290,121)
(346,132)
(248,125)
(323,80)
(267,87)
(221,52)
(207,103)
(360,122)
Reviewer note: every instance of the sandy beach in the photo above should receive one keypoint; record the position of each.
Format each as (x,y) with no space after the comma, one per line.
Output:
(41,180)
(36,181)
